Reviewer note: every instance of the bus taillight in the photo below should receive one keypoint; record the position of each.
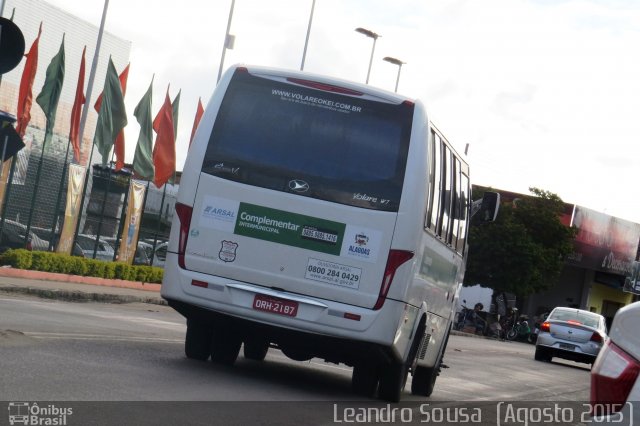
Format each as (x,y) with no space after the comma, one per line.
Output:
(395,259)
(184,215)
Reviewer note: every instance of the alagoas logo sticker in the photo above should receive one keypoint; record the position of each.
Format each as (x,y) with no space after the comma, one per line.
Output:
(228,251)
(362,240)
(361,243)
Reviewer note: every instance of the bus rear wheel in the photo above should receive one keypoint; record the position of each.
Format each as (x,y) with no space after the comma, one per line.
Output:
(225,345)
(424,380)
(364,379)
(255,349)
(392,380)
(198,340)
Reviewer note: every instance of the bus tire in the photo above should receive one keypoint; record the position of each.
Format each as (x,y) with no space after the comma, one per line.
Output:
(225,345)
(198,340)
(393,377)
(255,350)
(364,380)
(424,378)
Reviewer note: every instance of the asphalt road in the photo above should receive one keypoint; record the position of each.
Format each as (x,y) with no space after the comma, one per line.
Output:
(61,351)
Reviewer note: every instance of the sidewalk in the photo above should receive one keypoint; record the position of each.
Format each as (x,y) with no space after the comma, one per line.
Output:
(78,289)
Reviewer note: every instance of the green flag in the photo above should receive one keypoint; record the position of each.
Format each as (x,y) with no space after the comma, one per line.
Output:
(50,94)
(112,116)
(175,105)
(143,159)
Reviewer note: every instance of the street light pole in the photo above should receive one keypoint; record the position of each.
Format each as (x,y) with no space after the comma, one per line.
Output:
(306,42)
(92,75)
(374,36)
(228,40)
(397,62)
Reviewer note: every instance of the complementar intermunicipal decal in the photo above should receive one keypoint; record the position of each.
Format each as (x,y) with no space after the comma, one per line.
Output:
(288,228)
(292,229)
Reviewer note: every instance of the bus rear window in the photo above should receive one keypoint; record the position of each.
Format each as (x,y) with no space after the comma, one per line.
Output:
(349,150)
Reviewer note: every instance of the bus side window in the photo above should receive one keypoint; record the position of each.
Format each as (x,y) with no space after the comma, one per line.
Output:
(427,214)
(455,208)
(434,201)
(446,196)
(464,201)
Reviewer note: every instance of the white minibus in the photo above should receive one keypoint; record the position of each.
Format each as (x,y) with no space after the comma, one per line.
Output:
(323,218)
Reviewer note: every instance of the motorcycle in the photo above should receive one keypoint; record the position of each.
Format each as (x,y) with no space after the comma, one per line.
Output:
(520,329)
(533,336)
(464,316)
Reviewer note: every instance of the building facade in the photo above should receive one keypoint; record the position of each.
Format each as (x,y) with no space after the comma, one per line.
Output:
(593,276)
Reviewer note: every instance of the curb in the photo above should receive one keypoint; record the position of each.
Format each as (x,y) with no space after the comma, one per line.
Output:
(78,279)
(475,336)
(81,296)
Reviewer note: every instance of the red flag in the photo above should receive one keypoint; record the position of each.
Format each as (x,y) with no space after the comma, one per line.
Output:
(118,145)
(25,96)
(164,152)
(196,121)
(77,110)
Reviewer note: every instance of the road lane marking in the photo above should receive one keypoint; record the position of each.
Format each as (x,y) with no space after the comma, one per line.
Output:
(105,337)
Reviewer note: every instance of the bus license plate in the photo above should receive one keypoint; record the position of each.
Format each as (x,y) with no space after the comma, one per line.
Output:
(275,305)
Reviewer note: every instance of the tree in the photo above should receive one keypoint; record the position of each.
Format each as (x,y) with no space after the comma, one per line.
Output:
(523,251)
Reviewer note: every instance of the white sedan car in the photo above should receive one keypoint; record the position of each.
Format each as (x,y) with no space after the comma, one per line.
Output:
(615,387)
(572,334)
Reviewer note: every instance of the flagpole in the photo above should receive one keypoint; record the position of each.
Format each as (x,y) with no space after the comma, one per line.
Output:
(56,212)
(155,236)
(104,203)
(84,194)
(123,216)
(144,206)
(92,75)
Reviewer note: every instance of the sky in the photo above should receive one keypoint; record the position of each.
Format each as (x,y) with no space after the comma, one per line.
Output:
(545,92)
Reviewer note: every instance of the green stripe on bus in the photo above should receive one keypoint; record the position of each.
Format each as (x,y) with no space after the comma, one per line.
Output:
(291,229)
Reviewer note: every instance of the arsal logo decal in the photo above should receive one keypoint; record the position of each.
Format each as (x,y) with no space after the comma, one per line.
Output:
(218,213)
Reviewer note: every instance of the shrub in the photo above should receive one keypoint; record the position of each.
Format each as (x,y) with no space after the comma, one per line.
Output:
(42,261)
(17,258)
(109,270)
(95,268)
(78,266)
(123,271)
(65,264)
(156,275)
(60,263)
